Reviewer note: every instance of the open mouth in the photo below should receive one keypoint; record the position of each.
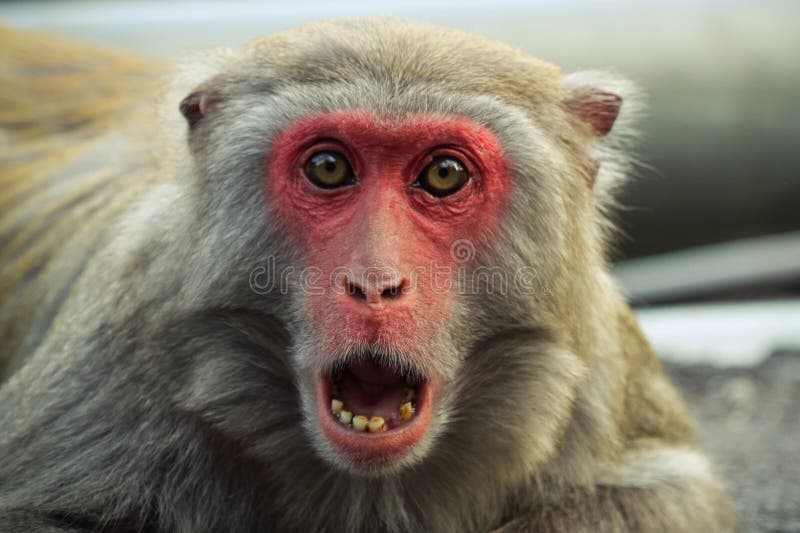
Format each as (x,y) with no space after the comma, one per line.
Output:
(371,413)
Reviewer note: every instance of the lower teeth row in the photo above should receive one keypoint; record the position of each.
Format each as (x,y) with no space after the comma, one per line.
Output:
(376,424)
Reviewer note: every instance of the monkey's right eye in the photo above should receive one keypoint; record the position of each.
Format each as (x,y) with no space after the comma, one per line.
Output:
(328,170)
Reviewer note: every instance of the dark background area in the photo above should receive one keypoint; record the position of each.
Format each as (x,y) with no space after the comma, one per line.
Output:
(722,156)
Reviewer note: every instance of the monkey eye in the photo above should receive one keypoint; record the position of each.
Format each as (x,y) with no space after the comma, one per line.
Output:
(328,170)
(443,176)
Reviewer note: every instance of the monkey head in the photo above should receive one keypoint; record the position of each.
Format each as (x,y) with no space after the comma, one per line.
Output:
(431,194)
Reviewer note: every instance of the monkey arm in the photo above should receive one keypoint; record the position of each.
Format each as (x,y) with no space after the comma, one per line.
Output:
(658,481)
(106,456)
(676,505)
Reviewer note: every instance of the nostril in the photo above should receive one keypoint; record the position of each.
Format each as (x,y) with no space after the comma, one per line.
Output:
(355,291)
(374,295)
(392,292)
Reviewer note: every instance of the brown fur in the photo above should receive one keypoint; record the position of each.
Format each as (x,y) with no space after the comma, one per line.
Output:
(58,101)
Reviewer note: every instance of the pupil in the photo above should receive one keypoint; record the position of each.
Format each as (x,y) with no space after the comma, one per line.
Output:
(443,172)
(330,166)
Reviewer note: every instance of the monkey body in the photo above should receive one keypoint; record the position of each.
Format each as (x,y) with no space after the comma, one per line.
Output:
(154,388)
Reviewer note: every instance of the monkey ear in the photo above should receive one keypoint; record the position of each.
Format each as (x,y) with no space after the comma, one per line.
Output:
(596,98)
(595,107)
(606,104)
(196,106)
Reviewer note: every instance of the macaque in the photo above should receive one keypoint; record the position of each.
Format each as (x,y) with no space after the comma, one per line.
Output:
(352,278)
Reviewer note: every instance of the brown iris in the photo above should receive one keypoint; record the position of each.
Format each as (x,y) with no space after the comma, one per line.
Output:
(328,170)
(443,176)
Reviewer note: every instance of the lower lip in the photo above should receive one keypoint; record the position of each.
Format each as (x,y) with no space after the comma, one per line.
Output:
(373,450)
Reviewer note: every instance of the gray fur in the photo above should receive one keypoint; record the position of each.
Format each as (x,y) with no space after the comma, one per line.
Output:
(167,395)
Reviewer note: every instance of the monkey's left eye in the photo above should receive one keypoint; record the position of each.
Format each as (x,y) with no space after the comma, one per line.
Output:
(443,176)
(328,170)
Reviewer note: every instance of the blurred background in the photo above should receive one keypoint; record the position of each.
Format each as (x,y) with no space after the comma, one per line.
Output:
(710,248)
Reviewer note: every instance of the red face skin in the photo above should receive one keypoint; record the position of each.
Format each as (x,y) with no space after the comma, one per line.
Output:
(383,222)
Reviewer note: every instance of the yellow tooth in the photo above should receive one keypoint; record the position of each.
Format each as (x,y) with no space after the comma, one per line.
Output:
(406,411)
(360,422)
(336,406)
(345,417)
(376,424)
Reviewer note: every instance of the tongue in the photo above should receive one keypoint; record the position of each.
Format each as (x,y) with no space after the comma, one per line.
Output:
(371,390)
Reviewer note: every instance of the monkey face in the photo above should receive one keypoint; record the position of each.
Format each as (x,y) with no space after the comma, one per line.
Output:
(394,199)
(379,205)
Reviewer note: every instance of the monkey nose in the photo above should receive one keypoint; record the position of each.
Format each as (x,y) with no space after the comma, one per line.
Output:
(375,293)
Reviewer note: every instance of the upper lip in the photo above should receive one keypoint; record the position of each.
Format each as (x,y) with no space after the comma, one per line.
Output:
(385,358)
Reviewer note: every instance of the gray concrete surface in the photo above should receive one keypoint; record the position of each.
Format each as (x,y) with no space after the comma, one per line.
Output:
(748,421)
